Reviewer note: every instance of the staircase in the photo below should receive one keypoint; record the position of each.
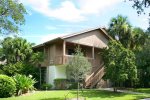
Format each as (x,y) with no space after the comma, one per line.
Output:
(95,77)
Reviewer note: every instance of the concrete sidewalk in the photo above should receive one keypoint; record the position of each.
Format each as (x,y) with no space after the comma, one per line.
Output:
(123,91)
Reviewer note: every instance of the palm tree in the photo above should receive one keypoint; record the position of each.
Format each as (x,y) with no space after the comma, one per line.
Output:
(16,49)
(120,29)
(138,38)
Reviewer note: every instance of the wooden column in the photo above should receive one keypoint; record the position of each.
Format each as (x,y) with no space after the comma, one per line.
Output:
(93,56)
(64,51)
(93,53)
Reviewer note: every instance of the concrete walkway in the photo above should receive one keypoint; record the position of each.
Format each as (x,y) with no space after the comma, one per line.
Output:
(125,91)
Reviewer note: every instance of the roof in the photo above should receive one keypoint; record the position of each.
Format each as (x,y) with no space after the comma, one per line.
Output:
(74,34)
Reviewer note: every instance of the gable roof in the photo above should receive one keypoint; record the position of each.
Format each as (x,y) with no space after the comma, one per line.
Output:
(74,34)
(85,31)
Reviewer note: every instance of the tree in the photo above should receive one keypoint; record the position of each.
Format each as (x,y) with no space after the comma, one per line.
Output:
(11,16)
(120,29)
(119,64)
(138,38)
(20,58)
(12,69)
(78,68)
(16,49)
(140,6)
(37,58)
(143,64)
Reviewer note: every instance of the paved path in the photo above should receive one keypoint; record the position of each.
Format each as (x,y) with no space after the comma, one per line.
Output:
(125,91)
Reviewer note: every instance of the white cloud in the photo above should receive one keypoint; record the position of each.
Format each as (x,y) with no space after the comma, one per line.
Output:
(96,6)
(44,38)
(68,10)
(49,27)
(51,36)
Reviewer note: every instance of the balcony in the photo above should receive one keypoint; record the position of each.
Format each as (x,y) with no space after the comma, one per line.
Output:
(59,60)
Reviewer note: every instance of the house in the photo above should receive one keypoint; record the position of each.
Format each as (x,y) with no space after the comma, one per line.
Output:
(59,52)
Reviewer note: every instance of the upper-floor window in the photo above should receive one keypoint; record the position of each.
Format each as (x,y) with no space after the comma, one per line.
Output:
(71,51)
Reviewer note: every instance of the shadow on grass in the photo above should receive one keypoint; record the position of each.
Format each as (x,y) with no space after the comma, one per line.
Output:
(104,94)
(143,91)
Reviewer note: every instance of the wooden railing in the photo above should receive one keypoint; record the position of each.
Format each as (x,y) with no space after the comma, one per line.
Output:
(95,77)
(58,60)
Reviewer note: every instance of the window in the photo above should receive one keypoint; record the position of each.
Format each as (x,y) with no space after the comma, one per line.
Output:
(71,51)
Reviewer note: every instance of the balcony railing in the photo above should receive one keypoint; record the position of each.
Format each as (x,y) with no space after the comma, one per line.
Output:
(58,60)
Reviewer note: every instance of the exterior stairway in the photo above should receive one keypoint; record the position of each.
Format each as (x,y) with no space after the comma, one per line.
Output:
(95,77)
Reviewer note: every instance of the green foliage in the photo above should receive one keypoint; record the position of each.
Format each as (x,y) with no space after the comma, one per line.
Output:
(16,49)
(138,38)
(24,83)
(78,67)
(120,29)
(141,6)
(143,64)
(7,86)
(134,39)
(119,63)
(37,57)
(21,68)
(73,85)
(12,69)
(30,69)
(60,83)
(11,16)
(20,58)
(46,86)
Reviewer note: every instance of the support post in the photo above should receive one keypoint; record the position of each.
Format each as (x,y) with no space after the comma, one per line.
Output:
(93,53)
(64,51)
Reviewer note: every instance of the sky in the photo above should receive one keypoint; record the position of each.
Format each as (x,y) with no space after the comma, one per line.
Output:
(47,19)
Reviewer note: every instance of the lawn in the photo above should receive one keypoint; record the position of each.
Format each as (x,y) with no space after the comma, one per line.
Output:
(89,94)
(142,90)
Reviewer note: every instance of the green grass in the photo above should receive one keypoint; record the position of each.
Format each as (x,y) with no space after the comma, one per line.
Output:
(142,90)
(89,94)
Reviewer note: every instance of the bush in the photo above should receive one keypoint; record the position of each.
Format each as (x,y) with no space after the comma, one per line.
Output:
(60,83)
(7,86)
(21,68)
(73,85)
(29,69)
(24,83)
(12,69)
(46,86)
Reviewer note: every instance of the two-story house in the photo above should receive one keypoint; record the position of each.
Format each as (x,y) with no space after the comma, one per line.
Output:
(59,52)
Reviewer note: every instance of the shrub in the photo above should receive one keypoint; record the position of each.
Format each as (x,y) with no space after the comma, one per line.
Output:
(60,83)
(12,69)
(46,86)
(24,83)
(7,86)
(30,69)
(73,85)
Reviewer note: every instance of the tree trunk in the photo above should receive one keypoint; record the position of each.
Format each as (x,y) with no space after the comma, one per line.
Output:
(78,91)
(115,89)
(40,76)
